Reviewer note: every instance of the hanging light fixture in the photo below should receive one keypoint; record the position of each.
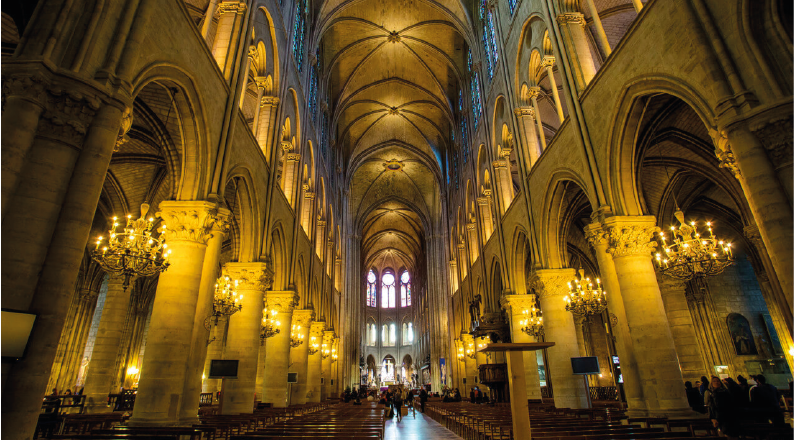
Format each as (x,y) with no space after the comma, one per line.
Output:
(470,351)
(584,299)
(270,325)
(226,302)
(296,338)
(313,346)
(692,254)
(333,355)
(132,251)
(532,322)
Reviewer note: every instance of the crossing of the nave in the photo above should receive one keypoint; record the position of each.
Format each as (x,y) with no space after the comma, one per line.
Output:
(289,218)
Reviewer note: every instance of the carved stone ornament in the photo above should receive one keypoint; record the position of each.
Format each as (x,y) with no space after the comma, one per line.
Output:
(27,87)
(393,37)
(264,83)
(328,337)
(282,302)
(524,111)
(548,61)
(776,137)
(571,18)
(287,146)
(303,317)
(724,153)
(126,124)
(595,235)
(751,232)
(269,101)
(316,329)
(631,236)
(232,6)
(613,320)
(251,276)
(292,157)
(518,303)
(533,92)
(548,283)
(499,164)
(67,115)
(188,221)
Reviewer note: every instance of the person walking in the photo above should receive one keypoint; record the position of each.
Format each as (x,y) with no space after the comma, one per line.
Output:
(410,402)
(423,399)
(397,403)
(722,409)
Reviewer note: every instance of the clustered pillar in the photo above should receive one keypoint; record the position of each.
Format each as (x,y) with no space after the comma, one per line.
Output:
(277,348)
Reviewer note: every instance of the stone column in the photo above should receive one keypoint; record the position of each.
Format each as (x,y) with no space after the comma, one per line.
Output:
(547,63)
(25,99)
(243,338)
(291,164)
(502,174)
(189,412)
(208,18)
(743,154)
(263,86)
(572,26)
(101,370)
(215,350)
(600,31)
(630,245)
(299,355)
(277,348)
(516,305)
(534,92)
(314,362)
(170,336)
(252,52)
(526,117)
(227,34)
(267,107)
(325,364)
(636,405)
(470,365)
(472,235)
(551,286)
(462,257)
(484,206)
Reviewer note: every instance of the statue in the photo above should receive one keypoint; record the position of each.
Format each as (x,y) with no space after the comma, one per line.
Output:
(474,312)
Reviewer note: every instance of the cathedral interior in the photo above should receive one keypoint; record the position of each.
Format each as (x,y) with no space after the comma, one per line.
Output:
(327,195)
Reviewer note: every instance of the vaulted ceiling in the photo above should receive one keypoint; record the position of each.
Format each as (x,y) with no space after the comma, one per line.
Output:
(393,70)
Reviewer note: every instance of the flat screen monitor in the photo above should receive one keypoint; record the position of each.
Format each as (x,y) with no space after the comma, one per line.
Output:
(292,377)
(585,365)
(223,369)
(16,328)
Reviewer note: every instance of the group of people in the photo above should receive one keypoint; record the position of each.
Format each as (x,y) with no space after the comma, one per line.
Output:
(68,392)
(729,402)
(394,401)
(451,395)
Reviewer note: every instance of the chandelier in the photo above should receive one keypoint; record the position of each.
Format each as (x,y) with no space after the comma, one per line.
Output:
(313,345)
(133,251)
(533,322)
(333,355)
(226,302)
(470,351)
(270,325)
(324,351)
(296,338)
(692,253)
(460,353)
(583,299)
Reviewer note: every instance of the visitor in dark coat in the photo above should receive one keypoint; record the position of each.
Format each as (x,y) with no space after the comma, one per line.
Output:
(694,398)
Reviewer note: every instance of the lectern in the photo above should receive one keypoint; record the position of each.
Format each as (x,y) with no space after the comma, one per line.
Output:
(520,413)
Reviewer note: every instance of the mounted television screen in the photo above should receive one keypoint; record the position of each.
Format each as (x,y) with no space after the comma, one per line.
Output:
(292,377)
(16,327)
(223,369)
(585,365)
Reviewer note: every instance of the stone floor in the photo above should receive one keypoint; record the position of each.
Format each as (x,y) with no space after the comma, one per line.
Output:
(420,428)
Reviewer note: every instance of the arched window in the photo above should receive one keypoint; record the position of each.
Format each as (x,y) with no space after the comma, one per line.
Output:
(392,334)
(299,30)
(384,334)
(388,335)
(477,104)
(371,289)
(489,38)
(408,333)
(405,289)
(388,291)
(372,334)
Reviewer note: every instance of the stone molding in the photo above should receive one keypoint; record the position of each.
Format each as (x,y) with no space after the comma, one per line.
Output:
(292,157)
(269,101)
(303,317)
(189,220)
(549,283)
(281,301)
(548,61)
(499,164)
(250,276)
(631,235)
(328,337)
(776,138)
(533,92)
(32,88)
(316,329)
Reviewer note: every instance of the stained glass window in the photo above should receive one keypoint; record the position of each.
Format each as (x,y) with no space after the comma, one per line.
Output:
(476,101)
(371,289)
(512,5)
(405,289)
(324,134)
(388,291)
(489,38)
(299,30)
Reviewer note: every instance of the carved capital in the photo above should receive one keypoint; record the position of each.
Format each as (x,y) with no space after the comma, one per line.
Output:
(308,194)
(282,302)
(269,101)
(548,283)
(629,236)
(518,303)
(287,146)
(328,337)
(67,115)
(751,232)
(27,87)
(236,7)
(471,226)
(303,317)
(250,276)
(596,235)
(316,330)
(483,201)
(497,164)
(571,18)
(292,157)
(548,61)
(533,92)
(264,83)
(188,220)
(522,112)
